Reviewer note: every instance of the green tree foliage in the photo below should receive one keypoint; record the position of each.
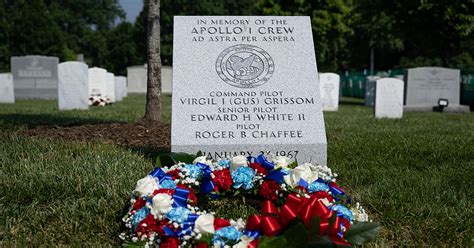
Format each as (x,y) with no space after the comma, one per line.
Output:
(330,22)
(404,33)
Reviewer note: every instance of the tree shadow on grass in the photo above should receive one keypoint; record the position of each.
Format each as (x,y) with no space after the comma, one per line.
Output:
(13,121)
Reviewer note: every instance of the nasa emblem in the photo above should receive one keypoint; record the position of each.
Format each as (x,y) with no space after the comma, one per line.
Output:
(245,66)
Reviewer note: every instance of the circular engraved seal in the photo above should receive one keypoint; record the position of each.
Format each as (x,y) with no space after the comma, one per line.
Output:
(244,66)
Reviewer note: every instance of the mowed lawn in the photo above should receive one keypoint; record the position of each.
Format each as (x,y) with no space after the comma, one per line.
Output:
(413,175)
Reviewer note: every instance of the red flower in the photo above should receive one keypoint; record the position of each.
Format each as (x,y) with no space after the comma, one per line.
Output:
(222,180)
(171,242)
(192,196)
(173,173)
(163,191)
(139,203)
(220,223)
(269,189)
(322,195)
(151,226)
(164,223)
(259,168)
(201,245)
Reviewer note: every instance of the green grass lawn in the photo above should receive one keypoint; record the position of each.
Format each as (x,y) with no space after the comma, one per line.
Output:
(414,175)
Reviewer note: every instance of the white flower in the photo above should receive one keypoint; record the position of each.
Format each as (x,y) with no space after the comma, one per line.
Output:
(161,204)
(238,161)
(202,160)
(146,186)
(281,162)
(244,242)
(301,172)
(204,223)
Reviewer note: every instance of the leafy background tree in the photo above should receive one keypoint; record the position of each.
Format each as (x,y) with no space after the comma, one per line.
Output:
(405,33)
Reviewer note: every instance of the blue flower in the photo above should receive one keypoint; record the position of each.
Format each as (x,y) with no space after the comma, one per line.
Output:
(228,233)
(317,186)
(178,214)
(168,184)
(243,177)
(139,216)
(224,163)
(193,170)
(342,211)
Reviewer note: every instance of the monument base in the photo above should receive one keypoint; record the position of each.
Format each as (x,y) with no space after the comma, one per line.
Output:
(307,153)
(449,109)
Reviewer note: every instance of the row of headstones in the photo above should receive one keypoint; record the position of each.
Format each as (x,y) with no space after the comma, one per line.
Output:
(386,93)
(72,83)
(425,86)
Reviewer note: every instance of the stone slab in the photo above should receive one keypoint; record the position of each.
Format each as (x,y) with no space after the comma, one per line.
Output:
(329,87)
(97,81)
(137,79)
(120,87)
(449,109)
(110,86)
(389,98)
(370,90)
(6,88)
(246,84)
(425,85)
(73,87)
(35,77)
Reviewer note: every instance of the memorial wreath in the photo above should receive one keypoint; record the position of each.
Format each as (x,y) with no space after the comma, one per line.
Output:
(301,205)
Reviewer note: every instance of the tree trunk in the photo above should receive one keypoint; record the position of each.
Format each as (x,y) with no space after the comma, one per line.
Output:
(153,93)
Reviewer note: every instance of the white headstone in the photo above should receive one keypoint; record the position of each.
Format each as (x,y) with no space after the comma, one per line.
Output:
(389,98)
(136,79)
(329,84)
(35,77)
(110,86)
(97,82)
(120,87)
(73,87)
(6,88)
(254,89)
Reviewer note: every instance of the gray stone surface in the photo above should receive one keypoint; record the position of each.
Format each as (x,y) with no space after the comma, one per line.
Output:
(137,77)
(425,85)
(389,98)
(370,90)
(35,77)
(166,79)
(6,88)
(97,81)
(120,87)
(245,85)
(73,87)
(110,86)
(449,109)
(329,87)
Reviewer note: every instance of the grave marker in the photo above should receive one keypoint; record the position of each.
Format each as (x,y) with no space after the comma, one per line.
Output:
(370,90)
(6,88)
(329,87)
(73,87)
(389,98)
(136,78)
(35,77)
(243,85)
(120,87)
(97,82)
(110,86)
